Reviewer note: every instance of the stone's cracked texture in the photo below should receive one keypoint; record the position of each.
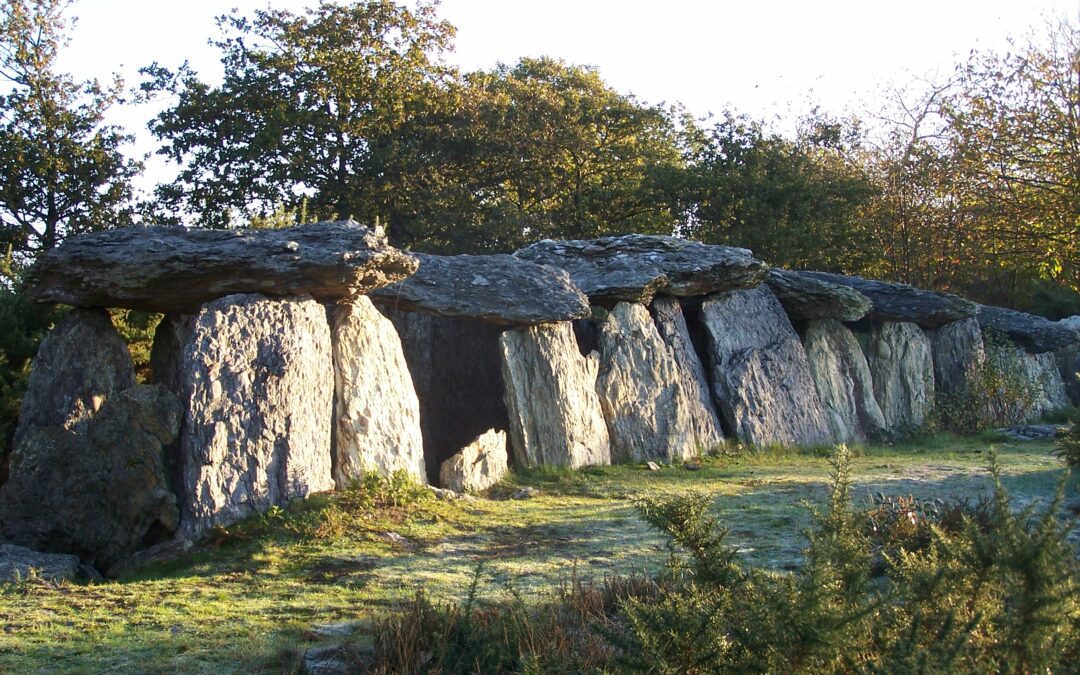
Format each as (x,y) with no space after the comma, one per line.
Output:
(258,387)
(99,492)
(636,267)
(555,415)
(761,377)
(455,368)
(79,364)
(899,302)
(1033,333)
(478,465)
(376,412)
(18,563)
(958,354)
(174,270)
(647,411)
(806,298)
(902,367)
(671,324)
(843,381)
(1038,376)
(501,289)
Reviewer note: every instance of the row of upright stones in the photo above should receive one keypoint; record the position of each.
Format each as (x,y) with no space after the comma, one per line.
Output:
(292,361)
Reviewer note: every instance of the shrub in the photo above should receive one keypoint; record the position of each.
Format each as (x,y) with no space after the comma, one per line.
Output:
(984,589)
(1068,445)
(997,393)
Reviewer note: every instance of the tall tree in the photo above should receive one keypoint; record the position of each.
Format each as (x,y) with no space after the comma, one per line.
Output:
(61,167)
(538,149)
(304,110)
(795,203)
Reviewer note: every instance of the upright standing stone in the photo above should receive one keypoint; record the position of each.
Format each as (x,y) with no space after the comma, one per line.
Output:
(1068,359)
(760,374)
(555,416)
(958,353)
(843,381)
(671,324)
(258,386)
(478,465)
(647,411)
(79,364)
(902,367)
(99,492)
(376,413)
(1032,383)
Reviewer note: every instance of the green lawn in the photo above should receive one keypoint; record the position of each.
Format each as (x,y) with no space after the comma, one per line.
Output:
(265,591)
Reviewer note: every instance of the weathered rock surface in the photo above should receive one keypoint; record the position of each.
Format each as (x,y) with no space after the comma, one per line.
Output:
(806,298)
(478,465)
(902,367)
(843,381)
(455,368)
(760,373)
(670,322)
(958,354)
(647,412)
(79,364)
(1033,333)
(555,415)
(99,492)
(259,394)
(376,412)
(894,302)
(1068,359)
(175,270)
(501,289)
(18,563)
(636,267)
(1041,384)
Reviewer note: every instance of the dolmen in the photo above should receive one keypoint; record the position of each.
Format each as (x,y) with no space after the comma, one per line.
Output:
(293,361)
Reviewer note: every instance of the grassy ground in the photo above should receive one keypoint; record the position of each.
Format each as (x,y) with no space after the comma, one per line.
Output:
(255,598)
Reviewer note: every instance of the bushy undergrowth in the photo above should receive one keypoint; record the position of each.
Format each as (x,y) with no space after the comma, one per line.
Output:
(964,588)
(996,393)
(1068,445)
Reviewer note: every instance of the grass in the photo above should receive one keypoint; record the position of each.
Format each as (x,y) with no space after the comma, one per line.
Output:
(258,595)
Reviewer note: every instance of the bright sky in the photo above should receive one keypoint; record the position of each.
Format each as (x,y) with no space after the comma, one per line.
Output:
(766,58)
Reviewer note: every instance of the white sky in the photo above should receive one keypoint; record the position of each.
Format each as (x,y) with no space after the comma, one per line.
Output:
(766,58)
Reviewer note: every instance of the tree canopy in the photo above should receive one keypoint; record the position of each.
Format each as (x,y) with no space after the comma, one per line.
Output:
(63,169)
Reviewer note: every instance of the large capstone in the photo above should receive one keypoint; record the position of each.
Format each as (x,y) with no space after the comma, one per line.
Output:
(893,302)
(478,465)
(1033,333)
(258,388)
(501,289)
(647,411)
(376,412)
(671,324)
(760,374)
(79,364)
(100,491)
(842,376)
(455,369)
(555,415)
(959,355)
(636,267)
(806,298)
(175,270)
(902,367)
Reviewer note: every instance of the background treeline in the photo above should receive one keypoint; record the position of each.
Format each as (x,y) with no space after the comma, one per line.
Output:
(969,184)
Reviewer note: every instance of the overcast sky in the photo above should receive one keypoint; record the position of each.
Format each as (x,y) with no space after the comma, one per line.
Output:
(766,58)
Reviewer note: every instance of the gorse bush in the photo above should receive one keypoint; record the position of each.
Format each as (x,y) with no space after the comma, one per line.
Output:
(1068,445)
(997,391)
(966,588)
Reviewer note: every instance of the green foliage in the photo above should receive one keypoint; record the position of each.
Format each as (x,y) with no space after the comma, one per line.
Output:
(1068,446)
(24,325)
(307,107)
(997,391)
(981,588)
(137,328)
(63,167)
(794,203)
